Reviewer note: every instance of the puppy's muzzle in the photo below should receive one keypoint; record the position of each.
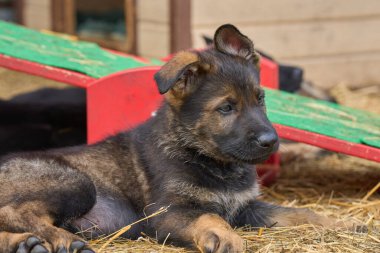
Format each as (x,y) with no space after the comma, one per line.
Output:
(267,140)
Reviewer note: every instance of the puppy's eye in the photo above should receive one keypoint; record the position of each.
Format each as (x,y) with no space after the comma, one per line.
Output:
(226,108)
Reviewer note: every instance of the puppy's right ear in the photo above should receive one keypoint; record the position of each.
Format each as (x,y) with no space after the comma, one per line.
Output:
(177,72)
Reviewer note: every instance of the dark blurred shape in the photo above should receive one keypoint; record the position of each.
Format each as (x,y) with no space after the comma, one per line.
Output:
(7,10)
(208,40)
(291,78)
(102,25)
(45,118)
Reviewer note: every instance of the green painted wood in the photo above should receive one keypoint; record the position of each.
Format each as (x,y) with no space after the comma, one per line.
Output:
(323,117)
(83,57)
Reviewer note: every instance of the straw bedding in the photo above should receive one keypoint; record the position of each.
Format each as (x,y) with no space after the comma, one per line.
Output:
(330,184)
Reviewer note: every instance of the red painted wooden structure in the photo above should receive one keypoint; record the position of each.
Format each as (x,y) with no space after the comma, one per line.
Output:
(118,101)
(124,99)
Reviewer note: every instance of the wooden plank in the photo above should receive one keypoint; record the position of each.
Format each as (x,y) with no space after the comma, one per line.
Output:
(19,6)
(130,24)
(153,39)
(33,13)
(180,28)
(309,38)
(153,28)
(36,14)
(63,19)
(39,3)
(37,18)
(153,11)
(57,16)
(353,70)
(329,143)
(70,16)
(215,12)
(56,74)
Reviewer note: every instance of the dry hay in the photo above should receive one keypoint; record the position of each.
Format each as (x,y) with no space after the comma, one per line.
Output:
(13,83)
(330,184)
(363,98)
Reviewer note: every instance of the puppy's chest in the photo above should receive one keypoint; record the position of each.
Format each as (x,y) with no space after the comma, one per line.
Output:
(228,202)
(225,202)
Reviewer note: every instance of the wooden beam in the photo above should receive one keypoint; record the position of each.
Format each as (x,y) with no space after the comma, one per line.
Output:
(130,25)
(19,7)
(57,18)
(63,16)
(48,72)
(180,25)
(327,142)
(70,17)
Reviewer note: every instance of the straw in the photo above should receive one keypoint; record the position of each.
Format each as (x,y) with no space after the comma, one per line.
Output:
(331,185)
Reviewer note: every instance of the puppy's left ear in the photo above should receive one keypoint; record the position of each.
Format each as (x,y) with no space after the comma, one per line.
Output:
(229,40)
(177,73)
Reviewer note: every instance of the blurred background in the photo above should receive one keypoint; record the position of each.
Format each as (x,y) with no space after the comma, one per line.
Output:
(327,50)
(336,41)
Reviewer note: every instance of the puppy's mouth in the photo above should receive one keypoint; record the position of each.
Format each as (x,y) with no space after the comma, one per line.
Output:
(252,156)
(251,160)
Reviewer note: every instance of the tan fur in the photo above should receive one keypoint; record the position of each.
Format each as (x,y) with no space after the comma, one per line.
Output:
(170,70)
(212,234)
(9,241)
(31,216)
(211,105)
(180,60)
(229,199)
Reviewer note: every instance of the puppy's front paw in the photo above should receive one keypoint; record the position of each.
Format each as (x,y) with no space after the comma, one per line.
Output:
(219,241)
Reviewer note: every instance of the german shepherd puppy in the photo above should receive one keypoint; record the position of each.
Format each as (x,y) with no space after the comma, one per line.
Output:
(195,156)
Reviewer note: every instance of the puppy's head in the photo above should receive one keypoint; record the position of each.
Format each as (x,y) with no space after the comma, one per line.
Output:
(216,99)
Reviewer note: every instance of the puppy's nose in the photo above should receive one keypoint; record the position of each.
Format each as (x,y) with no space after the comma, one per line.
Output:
(267,140)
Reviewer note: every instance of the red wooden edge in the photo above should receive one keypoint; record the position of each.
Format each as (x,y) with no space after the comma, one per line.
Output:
(37,69)
(329,143)
(269,74)
(144,72)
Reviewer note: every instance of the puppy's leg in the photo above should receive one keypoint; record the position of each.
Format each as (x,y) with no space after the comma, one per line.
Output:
(206,231)
(261,214)
(38,196)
